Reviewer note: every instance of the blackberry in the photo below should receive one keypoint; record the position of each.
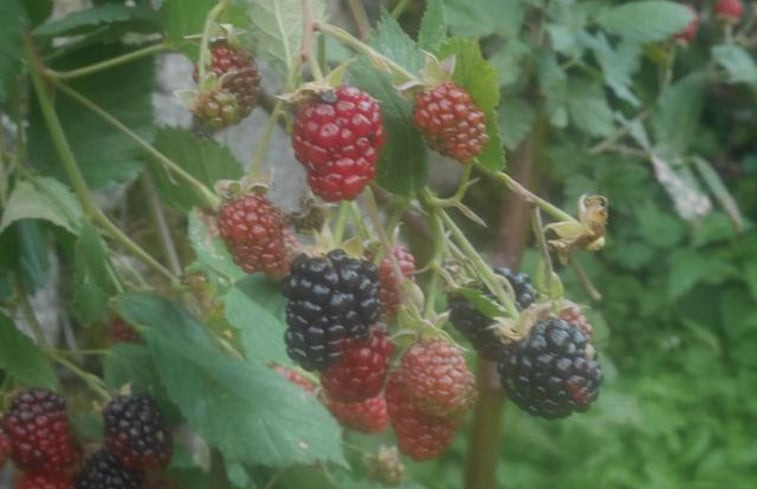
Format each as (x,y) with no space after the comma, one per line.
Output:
(332,299)
(553,371)
(102,471)
(136,434)
(37,428)
(476,326)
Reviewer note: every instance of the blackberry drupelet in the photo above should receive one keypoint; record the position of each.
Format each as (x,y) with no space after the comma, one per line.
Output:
(553,371)
(476,326)
(102,471)
(332,299)
(136,434)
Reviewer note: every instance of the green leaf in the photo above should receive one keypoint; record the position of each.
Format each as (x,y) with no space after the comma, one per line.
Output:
(433,29)
(38,10)
(105,155)
(509,61)
(515,120)
(482,18)
(182,18)
(480,79)
(250,413)
(738,64)
(391,41)
(92,284)
(676,119)
(588,107)
(22,359)
(31,254)
(255,307)
(163,317)
(211,252)
(43,198)
(277,28)
(687,268)
(140,19)
(396,171)
(10,44)
(617,64)
(646,21)
(204,159)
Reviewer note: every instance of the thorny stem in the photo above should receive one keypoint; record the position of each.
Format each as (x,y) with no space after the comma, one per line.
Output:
(538,229)
(159,216)
(210,198)
(360,17)
(376,58)
(72,170)
(209,26)
(306,52)
(400,7)
(109,63)
(341,221)
(527,195)
(92,381)
(484,270)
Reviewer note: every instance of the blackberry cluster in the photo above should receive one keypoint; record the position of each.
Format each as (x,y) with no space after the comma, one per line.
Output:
(102,471)
(332,299)
(475,325)
(553,371)
(37,428)
(136,434)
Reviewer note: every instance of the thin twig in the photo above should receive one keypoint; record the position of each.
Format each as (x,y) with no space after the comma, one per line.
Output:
(360,18)
(109,63)
(159,216)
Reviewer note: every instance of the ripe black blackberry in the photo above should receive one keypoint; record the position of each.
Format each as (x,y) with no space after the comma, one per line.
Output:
(553,371)
(477,327)
(136,434)
(332,298)
(102,471)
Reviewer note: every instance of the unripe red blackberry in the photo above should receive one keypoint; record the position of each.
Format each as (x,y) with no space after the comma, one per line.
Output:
(386,467)
(689,33)
(420,436)
(553,371)
(102,471)
(217,108)
(43,481)
(451,122)
(253,230)
(331,299)
(368,416)
(238,73)
(38,431)
(437,379)
(479,329)
(136,434)
(359,373)
(337,136)
(729,10)
(390,292)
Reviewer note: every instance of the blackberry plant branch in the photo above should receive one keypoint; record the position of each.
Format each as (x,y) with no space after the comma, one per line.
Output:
(210,198)
(71,168)
(378,59)
(109,63)
(210,24)
(527,195)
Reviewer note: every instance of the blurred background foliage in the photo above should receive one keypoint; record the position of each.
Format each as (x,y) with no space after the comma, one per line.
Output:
(677,324)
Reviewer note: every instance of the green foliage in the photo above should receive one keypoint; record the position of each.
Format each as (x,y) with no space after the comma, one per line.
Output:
(46,199)
(22,360)
(204,159)
(92,284)
(402,167)
(136,18)
(645,21)
(10,44)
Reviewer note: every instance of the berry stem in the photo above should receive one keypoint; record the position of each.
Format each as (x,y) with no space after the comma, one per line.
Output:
(210,198)
(538,229)
(109,63)
(306,52)
(399,8)
(210,21)
(527,195)
(360,17)
(72,170)
(341,221)
(159,218)
(459,194)
(357,219)
(378,59)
